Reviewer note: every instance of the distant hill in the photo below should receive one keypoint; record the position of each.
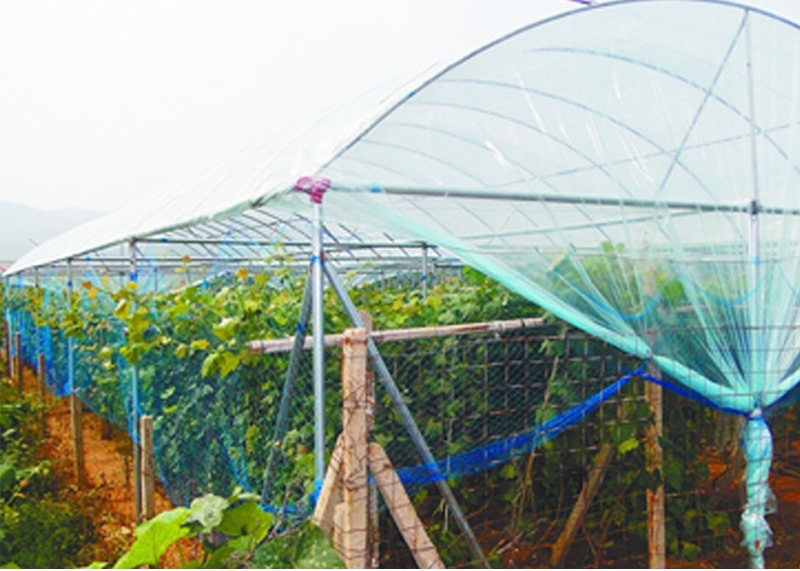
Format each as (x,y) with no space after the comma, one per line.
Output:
(22,227)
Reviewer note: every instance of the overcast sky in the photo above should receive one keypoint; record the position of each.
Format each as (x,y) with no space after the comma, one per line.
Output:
(103,102)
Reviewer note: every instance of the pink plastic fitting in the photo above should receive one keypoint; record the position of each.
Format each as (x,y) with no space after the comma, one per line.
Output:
(314,186)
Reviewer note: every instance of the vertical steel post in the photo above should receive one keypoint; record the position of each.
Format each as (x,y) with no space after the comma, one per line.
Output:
(39,344)
(424,271)
(9,333)
(70,348)
(319,347)
(133,277)
(756,331)
(315,187)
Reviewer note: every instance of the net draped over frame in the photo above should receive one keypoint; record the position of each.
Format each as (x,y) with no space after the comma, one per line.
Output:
(633,168)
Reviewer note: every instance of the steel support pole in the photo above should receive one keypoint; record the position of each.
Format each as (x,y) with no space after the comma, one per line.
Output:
(133,277)
(70,349)
(39,348)
(9,332)
(319,343)
(407,419)
(424,271)
(282,421)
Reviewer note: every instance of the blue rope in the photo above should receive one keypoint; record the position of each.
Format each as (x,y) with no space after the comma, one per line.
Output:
(684,392)
(485,457)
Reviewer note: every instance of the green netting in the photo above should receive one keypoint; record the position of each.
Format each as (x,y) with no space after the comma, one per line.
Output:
(630,167)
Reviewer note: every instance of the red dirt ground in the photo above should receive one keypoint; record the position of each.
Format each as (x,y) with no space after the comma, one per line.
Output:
(108,478)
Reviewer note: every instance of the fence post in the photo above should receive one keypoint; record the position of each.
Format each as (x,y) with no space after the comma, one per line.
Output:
(18,366)
(372,413)
(41,375)
(76,424)
(356,452)
(148,481)
(7,349)
(656,533)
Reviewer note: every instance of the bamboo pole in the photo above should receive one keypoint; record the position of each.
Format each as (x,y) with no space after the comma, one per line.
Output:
(656,532)
(402,509)
(335,340)
(148,480)
(355,537)
(76,425)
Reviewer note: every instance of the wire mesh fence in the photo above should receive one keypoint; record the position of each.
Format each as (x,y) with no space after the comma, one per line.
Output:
(490,407)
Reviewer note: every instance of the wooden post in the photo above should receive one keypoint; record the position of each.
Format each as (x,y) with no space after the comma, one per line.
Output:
(402,510)
(41,376)
(41,372)
(148,481)
(18,365)
(76,423)
(355,551)
(588,492)
(331,494)
(9,363)
(342,511)
(372,492)
(656,533)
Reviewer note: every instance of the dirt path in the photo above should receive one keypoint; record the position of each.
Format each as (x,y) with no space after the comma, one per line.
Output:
(108,475)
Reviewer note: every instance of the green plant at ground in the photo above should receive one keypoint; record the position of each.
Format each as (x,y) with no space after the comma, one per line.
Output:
(235,532)
(39,528)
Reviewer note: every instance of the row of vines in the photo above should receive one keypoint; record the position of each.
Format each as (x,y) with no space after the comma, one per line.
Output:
(183,357)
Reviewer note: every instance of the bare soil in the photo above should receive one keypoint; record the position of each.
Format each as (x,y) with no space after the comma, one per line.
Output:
(107,490)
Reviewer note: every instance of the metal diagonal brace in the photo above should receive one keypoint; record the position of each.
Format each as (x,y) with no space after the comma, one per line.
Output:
(408,420)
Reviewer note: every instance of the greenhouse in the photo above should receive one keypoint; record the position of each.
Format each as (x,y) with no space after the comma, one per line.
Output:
(624,170)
